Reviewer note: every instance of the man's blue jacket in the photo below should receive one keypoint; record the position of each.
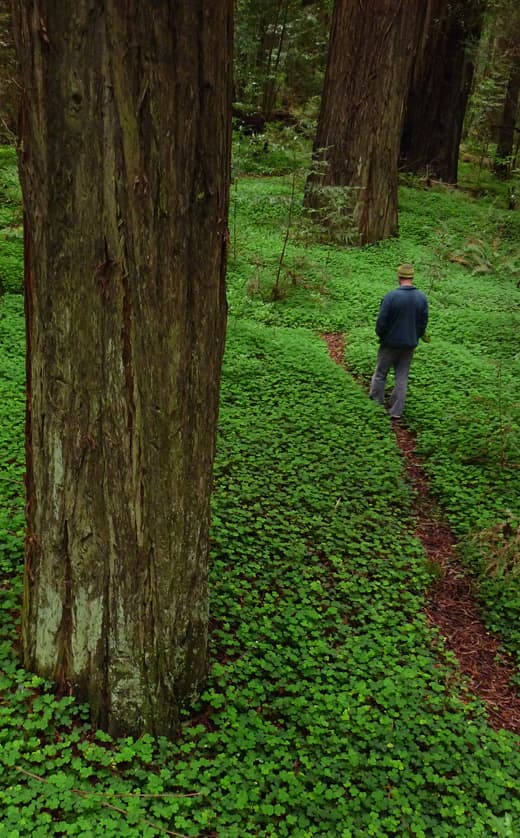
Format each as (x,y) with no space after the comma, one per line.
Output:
(403,317)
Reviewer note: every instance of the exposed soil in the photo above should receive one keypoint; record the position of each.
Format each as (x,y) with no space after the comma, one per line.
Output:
(452,607)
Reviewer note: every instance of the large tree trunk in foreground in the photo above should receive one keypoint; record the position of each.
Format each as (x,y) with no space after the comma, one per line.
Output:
(124,163)
(439,90)
(372,45)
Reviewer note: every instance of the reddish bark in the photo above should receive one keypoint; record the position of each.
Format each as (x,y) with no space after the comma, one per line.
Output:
(124,164)
(372,46)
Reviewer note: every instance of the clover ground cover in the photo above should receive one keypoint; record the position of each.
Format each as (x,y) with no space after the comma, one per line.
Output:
(331,708)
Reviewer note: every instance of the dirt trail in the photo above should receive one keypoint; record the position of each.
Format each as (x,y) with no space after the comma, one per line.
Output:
(452,607)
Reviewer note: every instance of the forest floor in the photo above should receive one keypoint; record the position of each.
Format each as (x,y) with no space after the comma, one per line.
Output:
(452,605)
(362,572)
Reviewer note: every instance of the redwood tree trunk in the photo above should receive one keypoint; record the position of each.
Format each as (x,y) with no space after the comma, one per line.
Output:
(439,90)
(372,45)
(124,161)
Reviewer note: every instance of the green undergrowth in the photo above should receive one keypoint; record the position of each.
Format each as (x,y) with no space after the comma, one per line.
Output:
(331,708)
(11,234)
(278,150)
(464,398)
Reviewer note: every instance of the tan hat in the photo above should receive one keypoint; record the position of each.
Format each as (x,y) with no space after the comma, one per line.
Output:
(405,271)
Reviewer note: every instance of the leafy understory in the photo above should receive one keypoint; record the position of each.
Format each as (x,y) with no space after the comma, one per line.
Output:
(332,709)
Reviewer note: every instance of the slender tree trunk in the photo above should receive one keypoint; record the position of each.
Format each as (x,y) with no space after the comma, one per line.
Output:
(9,85)
(271,82)
(507,129)
(124,161)
(371,49)
(439,91)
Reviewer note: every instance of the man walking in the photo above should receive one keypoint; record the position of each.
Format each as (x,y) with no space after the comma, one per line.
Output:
(402,320)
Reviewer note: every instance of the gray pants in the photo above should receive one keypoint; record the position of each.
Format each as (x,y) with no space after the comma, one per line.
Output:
(400,359)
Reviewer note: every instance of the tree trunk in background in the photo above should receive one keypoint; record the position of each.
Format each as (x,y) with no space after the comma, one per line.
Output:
(270,86)
(439,90)
(9,85)
(372,45)
(507,128)
(124,161)
(280,54)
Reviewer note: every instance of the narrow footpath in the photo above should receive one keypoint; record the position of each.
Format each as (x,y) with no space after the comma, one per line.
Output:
(452,607)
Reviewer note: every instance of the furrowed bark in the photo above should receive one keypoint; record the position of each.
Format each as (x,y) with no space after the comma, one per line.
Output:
(438,95)
(372,45)
(124,162)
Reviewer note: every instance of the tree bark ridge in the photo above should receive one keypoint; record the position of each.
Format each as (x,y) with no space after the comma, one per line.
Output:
(124,165)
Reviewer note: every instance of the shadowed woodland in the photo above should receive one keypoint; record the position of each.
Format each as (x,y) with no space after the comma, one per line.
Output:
(338,652)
